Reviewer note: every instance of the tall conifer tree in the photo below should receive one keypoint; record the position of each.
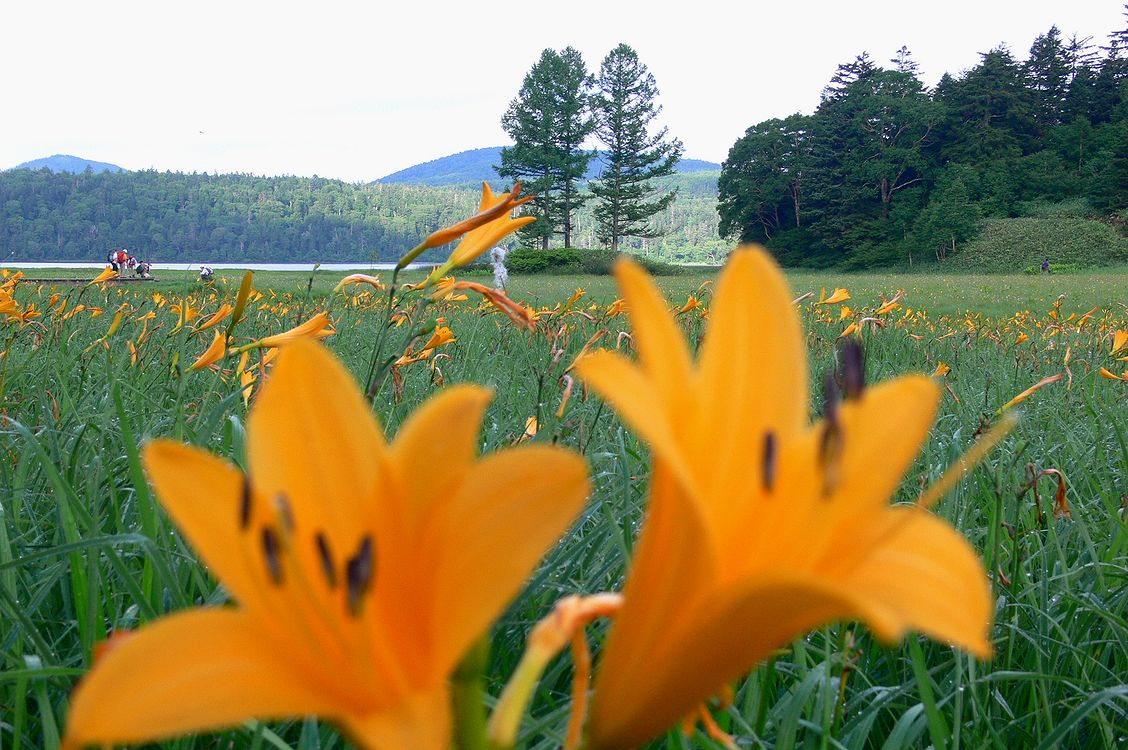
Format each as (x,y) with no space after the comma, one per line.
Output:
(624,108)
(548,122)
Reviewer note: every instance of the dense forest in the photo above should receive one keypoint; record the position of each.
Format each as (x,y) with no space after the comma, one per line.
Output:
(168,216)
(886,169)
(173,216)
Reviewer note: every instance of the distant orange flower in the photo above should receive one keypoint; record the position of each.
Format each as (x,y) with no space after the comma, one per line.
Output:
(213,353)
(1030,391)
(486,227)
(840,295)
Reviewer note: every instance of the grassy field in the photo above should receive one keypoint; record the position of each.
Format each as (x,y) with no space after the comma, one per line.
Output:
(940,293)
(85,549)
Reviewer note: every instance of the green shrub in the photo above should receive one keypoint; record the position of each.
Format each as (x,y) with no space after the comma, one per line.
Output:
(1076,208)
(569,260)
(1054,268)
(535,260)
(1007,245)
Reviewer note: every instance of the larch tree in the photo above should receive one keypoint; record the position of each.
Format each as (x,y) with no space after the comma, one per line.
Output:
(625,108)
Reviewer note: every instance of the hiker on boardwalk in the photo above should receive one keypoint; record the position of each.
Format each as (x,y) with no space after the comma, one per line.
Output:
(118,259)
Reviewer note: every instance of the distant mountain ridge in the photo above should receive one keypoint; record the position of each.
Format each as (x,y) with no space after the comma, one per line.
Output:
(477,165)
(67,163)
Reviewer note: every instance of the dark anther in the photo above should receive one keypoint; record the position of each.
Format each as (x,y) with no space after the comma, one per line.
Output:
(830,397)
(270,551)
(830,441)
(358,574)
(285,512)
(326,556)
(245,504)
(770,459)
(852,364)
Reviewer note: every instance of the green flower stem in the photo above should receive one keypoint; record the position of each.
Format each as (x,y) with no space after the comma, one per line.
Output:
(468,689)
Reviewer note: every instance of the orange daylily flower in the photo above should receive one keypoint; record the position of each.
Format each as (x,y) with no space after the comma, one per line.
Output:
(761,526)
(185,313)
(890,305)
(440,336)
(691,303)
(317,327)
(480,237)
(516,312)
(360,574)
(213,353)
(107,273)
(215,318)
(1029,391)
(1119,341)
(941,370)
(1108,374)
(840,295)
(618,307)
(359,278)
(492,209)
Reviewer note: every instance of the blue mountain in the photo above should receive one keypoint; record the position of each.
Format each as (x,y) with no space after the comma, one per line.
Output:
(66,163)
(477,165)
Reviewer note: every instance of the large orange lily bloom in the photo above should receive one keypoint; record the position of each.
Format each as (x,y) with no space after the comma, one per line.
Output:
(362,571)
(760,525)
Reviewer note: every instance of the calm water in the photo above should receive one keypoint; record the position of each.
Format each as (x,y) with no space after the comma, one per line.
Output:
(195,267)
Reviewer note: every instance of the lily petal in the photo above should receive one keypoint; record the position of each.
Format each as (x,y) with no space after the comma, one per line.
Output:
(661,346)
(437,445)
(919,567)
(211,520)
(207,669)
(672,531)
(634,396)
(741,626)
(314,443)
(513,506)
(754,339)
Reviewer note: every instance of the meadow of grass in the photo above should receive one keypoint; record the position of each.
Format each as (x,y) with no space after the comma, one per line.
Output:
(85,549)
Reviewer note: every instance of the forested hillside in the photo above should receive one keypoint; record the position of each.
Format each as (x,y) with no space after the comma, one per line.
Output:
(171,216)
(68,163)
(888,171)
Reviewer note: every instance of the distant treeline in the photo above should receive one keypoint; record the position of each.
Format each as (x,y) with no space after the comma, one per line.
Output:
(885,169)
(172,216)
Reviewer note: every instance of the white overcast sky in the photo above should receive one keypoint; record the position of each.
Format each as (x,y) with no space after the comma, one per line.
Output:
(358,90)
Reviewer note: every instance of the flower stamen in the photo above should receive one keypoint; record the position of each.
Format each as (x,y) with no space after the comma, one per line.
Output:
(769,461)
(326,557)
(245,504)
(852,366)
(830,441)
(285,513)
(270,549)
(359,573)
